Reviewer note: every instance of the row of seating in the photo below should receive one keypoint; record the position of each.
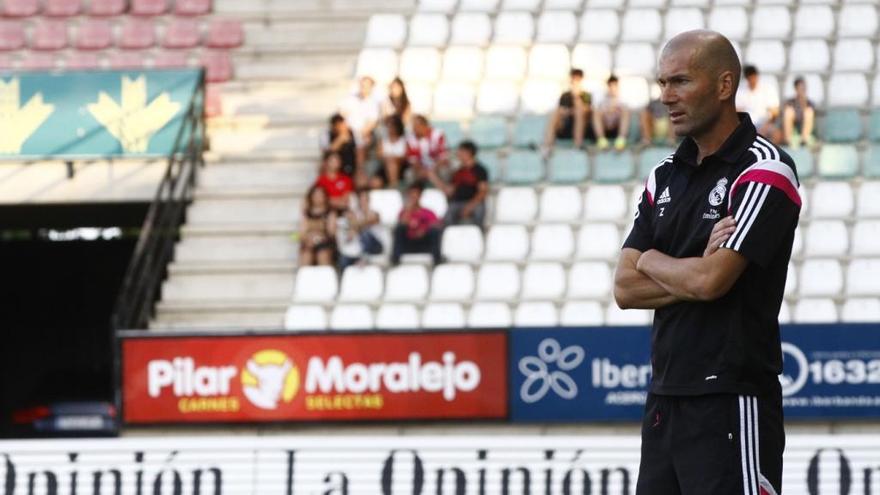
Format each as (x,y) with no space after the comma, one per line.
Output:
(605,25)
(450,6)
(68,8)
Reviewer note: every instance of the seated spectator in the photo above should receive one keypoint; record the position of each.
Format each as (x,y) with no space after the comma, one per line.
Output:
(362,111)
(655,124)
(611,118)
(397,102)
(426,149)
(391,154)
(572,117)
(418,229)
(340,139)
(317,230)
(798,117)
(761,102)
(468,189)
(356,231)
(337,185)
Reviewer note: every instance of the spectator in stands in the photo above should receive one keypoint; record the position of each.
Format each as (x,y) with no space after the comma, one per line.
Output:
(418,229)
(572,117)
(398,102)
(391,154)
(337,185)
(761,102)
(426,149)
(356,231)
(654,124)
(611,117)
(798,117)
(468,188)
(362,111)
(339,138)
(317,229)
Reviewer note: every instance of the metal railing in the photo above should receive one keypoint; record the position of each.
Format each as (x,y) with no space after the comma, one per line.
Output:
(161,228)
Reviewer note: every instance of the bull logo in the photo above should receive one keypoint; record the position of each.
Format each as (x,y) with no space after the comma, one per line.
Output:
(269,379)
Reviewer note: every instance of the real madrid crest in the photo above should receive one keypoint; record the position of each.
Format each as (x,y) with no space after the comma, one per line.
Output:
(716,195)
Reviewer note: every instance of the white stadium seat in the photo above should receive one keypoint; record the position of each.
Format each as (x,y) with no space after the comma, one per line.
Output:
(641,25)
(552,242)
(378,63)
(678,20)
(543,281)
(536,314)
(516,205)
(470,29)
(497,97)
(305,317)
(815,87)
(868,206)
(361,284)
(647,3)
(813,310)
(615,316)
(563,4)
(691,3)
(434,200)
(767,55)
(452,282)
(733,2)
(847,90)
(814,21)
(557,26)
(397,317)
(315,284)
(443,315)
(866,238)
(421,95)
(514,28)
(551,61)
(454,100)
(831,200)
(797,246)
(601,26)
(539,96)
(589,280)
(387,203)
(507,243)
(791,280)
(581,314)
(605,3)
(445,6)
(860,310)
(732,22)
(351,317)
(827,238)
(463,63)
(462,243)
(593,58)
(784,313)
(490,315)
(805,201)
(526,5)
(406,283)
(505,62)
(478,5)
(853,55)
(428,30)
(605,202)
(420,65)
(809,56)
(635,59)
(821,277)
(773,22)
(598,241)
(634,91)
(863,277)
(858,20)
(560,204)
(386,30)
(498,282)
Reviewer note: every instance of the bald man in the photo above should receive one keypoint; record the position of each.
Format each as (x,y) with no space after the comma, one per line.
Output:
(709,251)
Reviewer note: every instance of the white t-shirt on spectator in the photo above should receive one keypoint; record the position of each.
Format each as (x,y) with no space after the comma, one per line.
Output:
(394,149)
(757,102)
(358,112)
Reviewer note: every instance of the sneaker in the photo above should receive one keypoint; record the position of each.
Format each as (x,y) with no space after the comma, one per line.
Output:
(602,143)
(620,143)
(795,142)
(810,141)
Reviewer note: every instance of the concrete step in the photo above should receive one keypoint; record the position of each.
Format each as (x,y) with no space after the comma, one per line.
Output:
(269,175)
(218,320)
(300,9)
(330,34)
(304,100)
(301,66)
(226,267)
(265,140)
(257,211)
(241,229)
(228,287)
(301,154)
(235,249)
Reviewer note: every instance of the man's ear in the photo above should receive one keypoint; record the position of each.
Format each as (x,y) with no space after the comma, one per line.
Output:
(726,85)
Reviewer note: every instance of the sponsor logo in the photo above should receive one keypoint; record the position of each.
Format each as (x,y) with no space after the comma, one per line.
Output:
(269,377)
(712,214)
(540,380)
(664,197)
(716,195)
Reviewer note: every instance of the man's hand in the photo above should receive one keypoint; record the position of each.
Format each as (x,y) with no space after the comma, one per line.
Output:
(722,231)
(466,211)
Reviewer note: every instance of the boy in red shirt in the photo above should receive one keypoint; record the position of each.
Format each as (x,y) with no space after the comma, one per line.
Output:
(337,185)
(418,229)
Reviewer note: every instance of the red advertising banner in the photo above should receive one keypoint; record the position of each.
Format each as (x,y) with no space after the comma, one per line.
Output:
(314,377)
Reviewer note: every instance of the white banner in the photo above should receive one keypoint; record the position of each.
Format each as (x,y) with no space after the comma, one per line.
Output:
(369,465)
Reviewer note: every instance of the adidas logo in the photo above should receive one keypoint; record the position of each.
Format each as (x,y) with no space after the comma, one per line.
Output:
(664,197)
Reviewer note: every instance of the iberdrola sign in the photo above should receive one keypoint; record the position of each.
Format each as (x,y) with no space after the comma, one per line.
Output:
(93,113)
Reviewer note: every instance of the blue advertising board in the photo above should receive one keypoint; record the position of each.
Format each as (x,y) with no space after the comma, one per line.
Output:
(603,374)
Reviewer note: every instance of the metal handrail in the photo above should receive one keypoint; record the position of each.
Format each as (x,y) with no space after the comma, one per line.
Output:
(159,233)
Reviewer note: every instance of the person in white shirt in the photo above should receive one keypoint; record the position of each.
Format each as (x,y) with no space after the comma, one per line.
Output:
(362,110)
(761,102)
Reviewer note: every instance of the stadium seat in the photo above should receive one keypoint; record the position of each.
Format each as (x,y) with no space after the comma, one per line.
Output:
(543,281)
(386,30)
(605,202)
(100,8)
(560,204)
(832,200)
(769,55)
(589,280)
(454,100)
(62,8)
(524,5)
(857,20)
(809,56)
(506,63)
(581,314)
(387,203)
(791,280)
(498,282)
(77,61)
(599,26)
(557,26)
(421,97)
(732,22)
(827,238)
(128,60)
(397,317)
(598,241)
(514,28)
(170,59)
(491,132)
(463,243)
(815,87)
(218,66)
(492,164)
(772,22)
(181,33)
(820,277)
(564,4)
(875,88)
(528,131)
(615,316)
(815,310)
(470,29)
(568,166)
(379,63)
(853,55)
(507,243)
(814,21)
(430,30)
(613,166)
(516,205)
(847,90)
(49,35)
(20,8)
(539,96)
(315,284)
(192,7)
(443,316)
(452,282)
(490,315)
(866,238)
(406,283)
(434,200)
(463,63)
(553,242)
(842,126)
(549,62)
(224,33)
(137,34)
(641,25)
(635,59)
(860,310)
(536,314)
(148,7)
(838,161)
(524,167)
(593,58)
(784,317)
(452,130)
(650,157)
(863,277)
(678,20)
(868,206)
(305,317)
(657,4)
(94,34)
(444,6)
(361,284)
(351,317)
(874,125)
(478,5)
(634,93)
